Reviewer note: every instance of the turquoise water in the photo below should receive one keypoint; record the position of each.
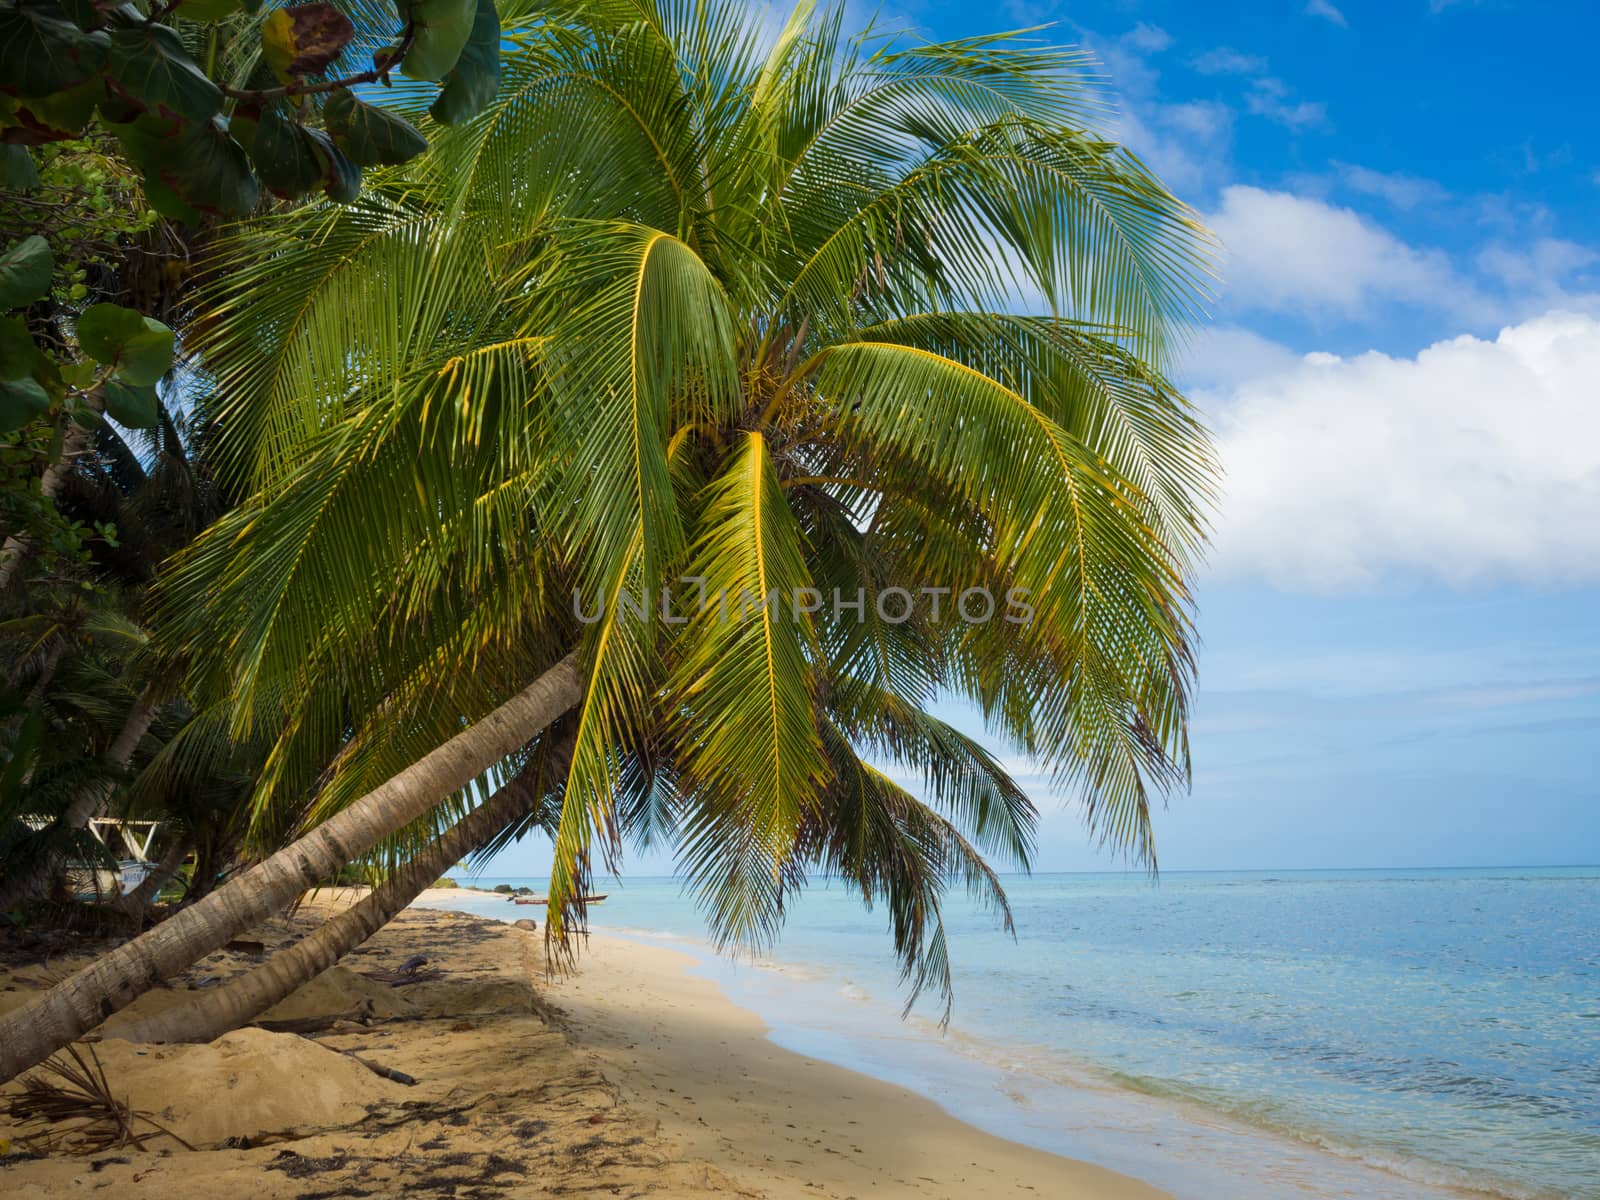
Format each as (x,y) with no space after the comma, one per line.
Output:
(1341,1033)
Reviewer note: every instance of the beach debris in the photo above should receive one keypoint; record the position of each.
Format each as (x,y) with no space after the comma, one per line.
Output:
(359,1013)
(300,1166)
(247,946)
(380,1070)
(71,1099)
(524,923)
(408,972)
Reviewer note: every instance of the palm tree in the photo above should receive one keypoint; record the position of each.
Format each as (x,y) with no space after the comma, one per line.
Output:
(686,303)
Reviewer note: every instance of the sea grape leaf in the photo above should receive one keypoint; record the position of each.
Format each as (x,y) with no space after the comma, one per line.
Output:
(89,15)
(17,171)
(286,162)
(19,354)
(149,142)
(475,79)
(21,400)
(441,29)
(42,52)
(303,39)
(140,347)
(168,203)
(148,68)
(133,405)
(207,170)
(341,178)
(52,118)
(371,136)
(25,270)
(78,374)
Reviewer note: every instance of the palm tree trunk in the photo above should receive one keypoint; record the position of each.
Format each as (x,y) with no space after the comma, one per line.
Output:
(34,881)
(245,997)
(138,901)
(30,1034)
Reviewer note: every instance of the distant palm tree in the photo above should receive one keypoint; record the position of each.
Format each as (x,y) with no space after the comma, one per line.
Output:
(694,301)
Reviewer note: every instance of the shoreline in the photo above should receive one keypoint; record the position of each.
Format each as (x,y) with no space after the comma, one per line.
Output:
(630,1077)
(1164,1141)
(791,1124)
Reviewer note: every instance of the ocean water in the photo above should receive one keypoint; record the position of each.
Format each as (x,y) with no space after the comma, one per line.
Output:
(1369,1034)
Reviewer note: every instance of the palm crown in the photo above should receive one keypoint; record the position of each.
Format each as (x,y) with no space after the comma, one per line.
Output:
(692,303)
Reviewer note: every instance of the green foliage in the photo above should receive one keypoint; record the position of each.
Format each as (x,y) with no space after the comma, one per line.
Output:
(369,135)
(138,348)
(16,168)
(184,88)
(86,200)
(21,400)
(471,85)
(123,354)
(25,272)
(442,29)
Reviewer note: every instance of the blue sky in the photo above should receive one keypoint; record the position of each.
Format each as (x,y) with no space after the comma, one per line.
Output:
(1401,616)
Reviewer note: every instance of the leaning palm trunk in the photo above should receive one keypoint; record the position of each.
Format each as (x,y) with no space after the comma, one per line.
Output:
(34,881)
(249,995)
(30,1034)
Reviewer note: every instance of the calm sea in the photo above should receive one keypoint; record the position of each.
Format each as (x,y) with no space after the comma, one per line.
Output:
(1232,1035)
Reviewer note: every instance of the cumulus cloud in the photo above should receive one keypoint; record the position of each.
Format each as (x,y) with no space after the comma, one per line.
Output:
(1477,462)
(1393,187)
(1549,261)
(1225,60)
(1325,10)
(1290,253)
(1271,98)
(1187,145)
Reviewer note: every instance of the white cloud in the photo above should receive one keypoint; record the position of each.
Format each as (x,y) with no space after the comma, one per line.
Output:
(1393,187)
(1148,39)
(1289,253)
(1225,356)
(1187,145)
(1226,61)
(1548,262)
(1270,98)
(1477,462)
(1325,10)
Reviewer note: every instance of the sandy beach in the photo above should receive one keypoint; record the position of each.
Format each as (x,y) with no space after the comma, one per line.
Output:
(630,1077)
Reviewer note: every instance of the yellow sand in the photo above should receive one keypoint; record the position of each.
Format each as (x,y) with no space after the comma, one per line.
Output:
(629,1078)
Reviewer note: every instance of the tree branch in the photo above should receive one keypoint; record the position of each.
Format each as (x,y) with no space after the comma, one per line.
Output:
(302,88)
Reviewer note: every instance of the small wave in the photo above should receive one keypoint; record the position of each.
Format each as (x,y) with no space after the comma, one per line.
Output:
(655,935)
(1265,1115)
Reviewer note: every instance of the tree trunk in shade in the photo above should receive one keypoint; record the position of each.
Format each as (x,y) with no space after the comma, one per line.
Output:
(245,997)
(30,1034)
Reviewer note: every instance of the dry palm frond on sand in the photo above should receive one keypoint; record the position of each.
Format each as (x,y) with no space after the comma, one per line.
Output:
(70,1100)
